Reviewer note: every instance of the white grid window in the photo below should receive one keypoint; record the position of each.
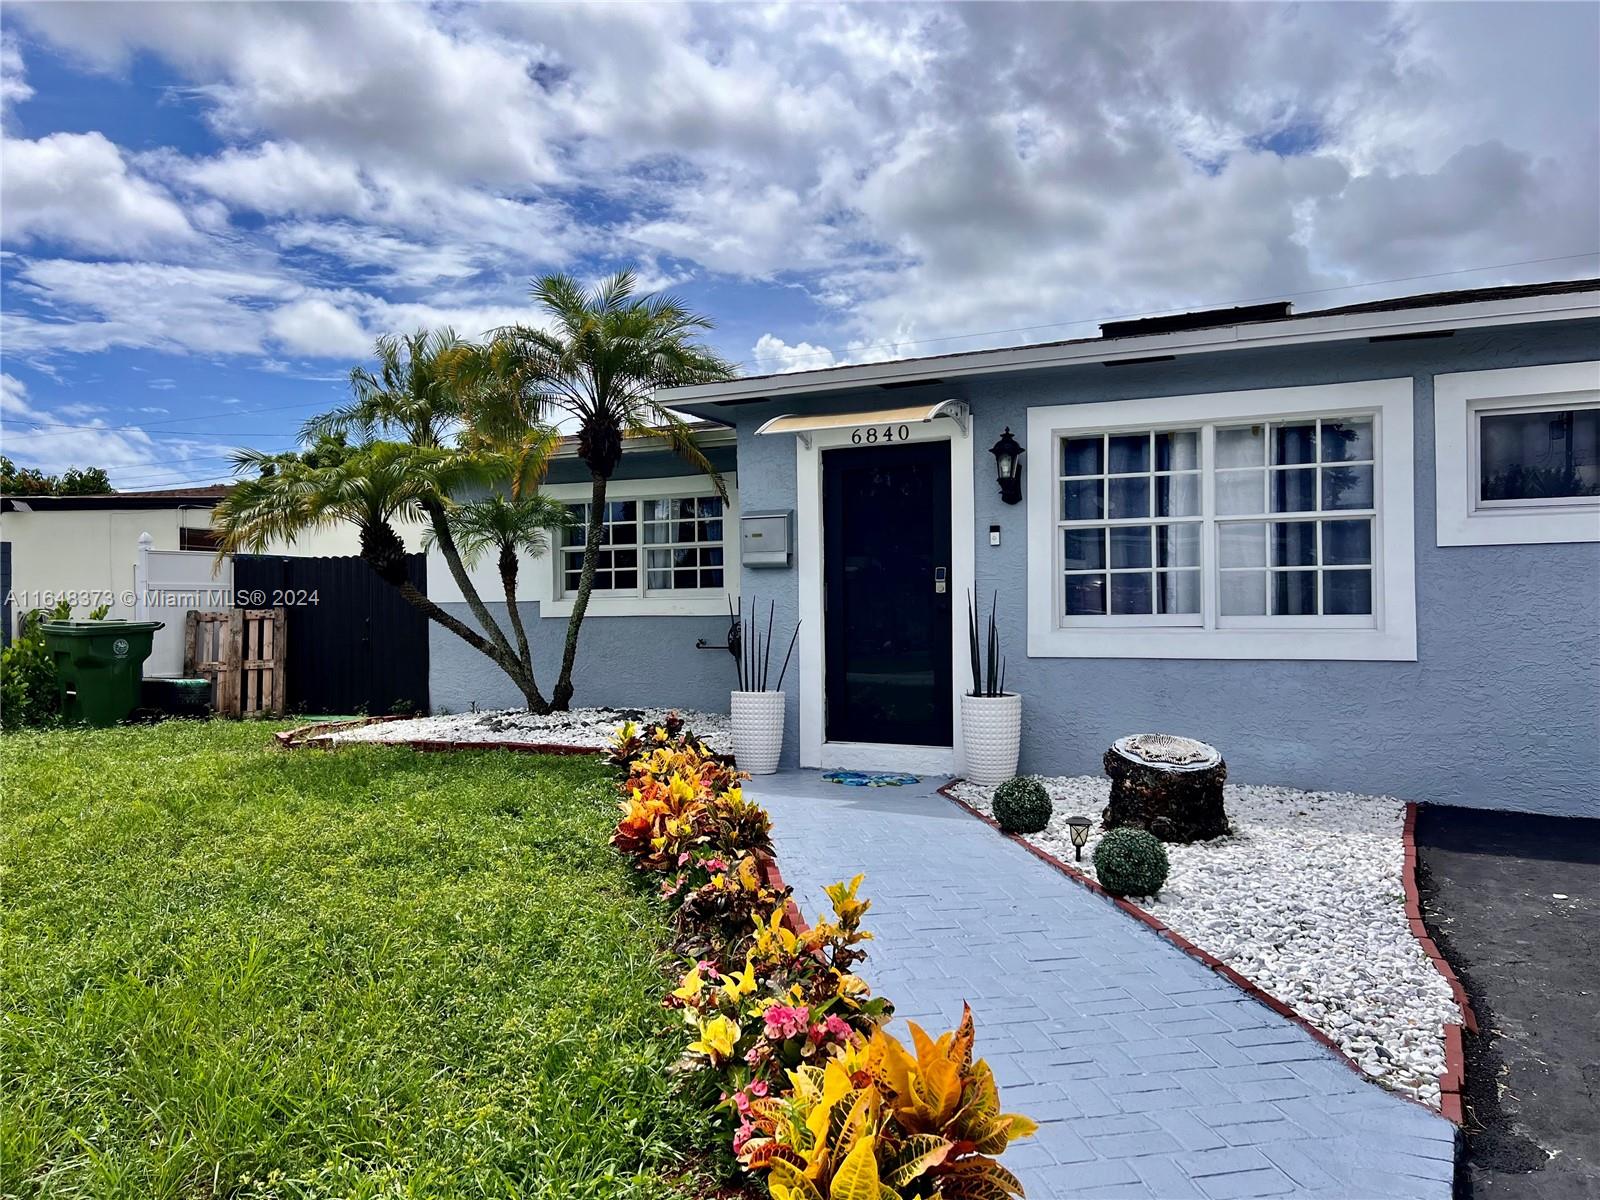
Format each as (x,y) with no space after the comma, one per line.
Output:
(1312,481)
(1270,523)
(1130,525)
(1266,520)
(650,547)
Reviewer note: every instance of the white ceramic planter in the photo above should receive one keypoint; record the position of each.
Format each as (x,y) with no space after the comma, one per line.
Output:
(757,721)
(991,737)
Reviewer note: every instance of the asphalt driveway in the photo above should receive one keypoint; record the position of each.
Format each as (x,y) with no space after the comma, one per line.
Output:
(1513,901)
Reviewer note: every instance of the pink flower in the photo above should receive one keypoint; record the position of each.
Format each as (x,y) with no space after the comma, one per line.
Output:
(758,1088)
(683,858)
(716,864)
(839,1029)
(785,1021)
(742,1135)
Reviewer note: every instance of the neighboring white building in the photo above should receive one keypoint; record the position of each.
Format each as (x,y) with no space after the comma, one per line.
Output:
(86,546)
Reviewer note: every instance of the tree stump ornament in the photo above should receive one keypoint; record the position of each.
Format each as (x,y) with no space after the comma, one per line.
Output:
(1170,785)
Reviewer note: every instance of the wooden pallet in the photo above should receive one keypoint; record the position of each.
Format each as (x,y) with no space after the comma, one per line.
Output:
(242,653)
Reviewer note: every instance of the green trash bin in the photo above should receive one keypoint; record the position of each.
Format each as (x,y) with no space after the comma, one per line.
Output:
(98,666)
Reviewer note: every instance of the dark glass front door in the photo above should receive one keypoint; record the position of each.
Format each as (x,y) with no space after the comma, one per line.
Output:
(886,564)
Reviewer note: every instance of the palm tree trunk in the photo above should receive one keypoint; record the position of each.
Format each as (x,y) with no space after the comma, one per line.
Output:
(458,572)
(508,580)
(561,696)
(508,664)
(384,552)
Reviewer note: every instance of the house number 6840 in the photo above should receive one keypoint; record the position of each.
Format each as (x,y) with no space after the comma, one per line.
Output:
(871,435)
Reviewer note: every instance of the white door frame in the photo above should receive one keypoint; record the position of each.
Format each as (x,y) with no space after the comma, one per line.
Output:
(814,750)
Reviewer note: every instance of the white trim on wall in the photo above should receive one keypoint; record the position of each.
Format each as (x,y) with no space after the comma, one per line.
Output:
(1391,632)
(1459,400)
(547,567)
(814,750)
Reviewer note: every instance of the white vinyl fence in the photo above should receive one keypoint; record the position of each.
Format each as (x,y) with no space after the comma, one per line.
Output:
(168,585)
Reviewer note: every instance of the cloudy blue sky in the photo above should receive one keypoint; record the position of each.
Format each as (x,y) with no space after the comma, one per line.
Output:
(210,210)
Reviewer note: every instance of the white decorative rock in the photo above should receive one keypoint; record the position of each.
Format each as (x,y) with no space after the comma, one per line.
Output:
(757,725)
(1304,899)
(991,737)
(585,727)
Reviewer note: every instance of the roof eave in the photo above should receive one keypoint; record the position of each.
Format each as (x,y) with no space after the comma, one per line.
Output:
(1251,335)
(711,434)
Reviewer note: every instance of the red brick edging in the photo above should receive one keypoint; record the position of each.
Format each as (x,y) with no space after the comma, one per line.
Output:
(1450,1083)
(1454,1080)
(793,920)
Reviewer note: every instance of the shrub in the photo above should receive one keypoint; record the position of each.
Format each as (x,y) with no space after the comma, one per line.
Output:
(1021,805)
(823,1101)
(28,692)
(884,1122)
(1131,862)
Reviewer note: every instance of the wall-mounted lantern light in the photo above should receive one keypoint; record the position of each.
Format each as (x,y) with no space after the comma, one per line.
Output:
(1008,466)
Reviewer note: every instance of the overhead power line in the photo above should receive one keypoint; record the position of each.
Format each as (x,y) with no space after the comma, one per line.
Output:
(146,428)
(1343,287)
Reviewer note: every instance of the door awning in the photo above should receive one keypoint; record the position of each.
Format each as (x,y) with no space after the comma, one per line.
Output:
(916,414)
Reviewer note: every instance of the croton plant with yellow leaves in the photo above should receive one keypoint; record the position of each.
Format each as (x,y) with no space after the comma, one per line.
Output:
(879,1122)
(822,1099)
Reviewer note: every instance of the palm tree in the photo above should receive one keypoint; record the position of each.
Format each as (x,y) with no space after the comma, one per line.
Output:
(597,366)
(420,394)
(412,394)
(509,526)
(370,488)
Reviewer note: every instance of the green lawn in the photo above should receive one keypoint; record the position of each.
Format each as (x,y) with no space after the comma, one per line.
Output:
(229,970)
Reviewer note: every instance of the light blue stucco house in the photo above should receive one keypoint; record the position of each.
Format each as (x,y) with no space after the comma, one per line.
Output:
(1355,548)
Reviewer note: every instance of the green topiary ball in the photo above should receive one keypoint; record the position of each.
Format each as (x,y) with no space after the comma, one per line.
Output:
(1131,862)
(1021,805)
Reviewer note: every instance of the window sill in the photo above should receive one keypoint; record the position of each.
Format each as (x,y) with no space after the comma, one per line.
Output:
(1533,525)
(716,605)
(1298,644)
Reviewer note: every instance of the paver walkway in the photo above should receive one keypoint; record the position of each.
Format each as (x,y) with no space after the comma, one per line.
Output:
(1151,1076)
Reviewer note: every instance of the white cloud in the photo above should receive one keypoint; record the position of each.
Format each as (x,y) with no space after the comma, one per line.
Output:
(401,262)
(391,83)
(774,356)
(143,305)
(96,306)
(76,188)
(921,172)
(14,86)
(275,179)
(13,396)
(319,328)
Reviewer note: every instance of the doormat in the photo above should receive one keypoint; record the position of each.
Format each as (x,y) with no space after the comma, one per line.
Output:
(869,778)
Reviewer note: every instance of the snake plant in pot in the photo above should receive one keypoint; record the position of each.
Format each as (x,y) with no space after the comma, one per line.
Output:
(991,717)
(757,711)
